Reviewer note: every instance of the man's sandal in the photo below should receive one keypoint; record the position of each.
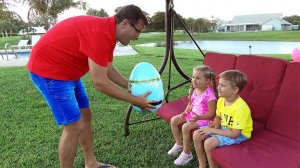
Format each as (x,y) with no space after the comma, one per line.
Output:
(104,165)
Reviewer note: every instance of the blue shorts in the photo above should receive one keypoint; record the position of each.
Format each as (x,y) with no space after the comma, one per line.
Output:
(64,98)
(224,140)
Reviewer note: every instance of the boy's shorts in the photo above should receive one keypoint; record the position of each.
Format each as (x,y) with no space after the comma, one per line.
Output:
(64,98)
(224,140)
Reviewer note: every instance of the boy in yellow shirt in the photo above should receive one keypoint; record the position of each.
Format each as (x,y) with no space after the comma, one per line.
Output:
(233,122)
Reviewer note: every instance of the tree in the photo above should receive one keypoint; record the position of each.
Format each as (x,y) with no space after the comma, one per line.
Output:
(177,23)
(94,12)
(199,25)
(213,20)
(294,19)
(190,23)
(158,21)
(9,21)
(48,10)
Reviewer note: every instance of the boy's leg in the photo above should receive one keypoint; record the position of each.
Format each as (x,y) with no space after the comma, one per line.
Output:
(209,145)
(198,143)
(186,135)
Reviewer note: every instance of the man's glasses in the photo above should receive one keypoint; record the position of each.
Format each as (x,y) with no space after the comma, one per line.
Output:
(137,30)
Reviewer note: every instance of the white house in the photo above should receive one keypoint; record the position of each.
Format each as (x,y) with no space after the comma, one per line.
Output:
(257,22)
(276,24)
(33,30)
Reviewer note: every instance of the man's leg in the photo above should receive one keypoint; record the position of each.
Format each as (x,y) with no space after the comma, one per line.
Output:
(68,143)
(86,140)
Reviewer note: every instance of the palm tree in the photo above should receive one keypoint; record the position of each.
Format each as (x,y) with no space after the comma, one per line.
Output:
(9,20)
(48,10)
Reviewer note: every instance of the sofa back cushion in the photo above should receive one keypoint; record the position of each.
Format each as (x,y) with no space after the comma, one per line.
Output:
(264,80)
(219,62)
(285,117)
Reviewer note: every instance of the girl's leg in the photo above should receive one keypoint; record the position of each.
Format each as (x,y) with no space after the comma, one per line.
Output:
(198,143)
(177,147)
(186,135)
(209,145)
(186,155)
(175,121)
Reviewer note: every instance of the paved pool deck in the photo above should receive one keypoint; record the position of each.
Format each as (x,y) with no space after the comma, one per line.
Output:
(11,60)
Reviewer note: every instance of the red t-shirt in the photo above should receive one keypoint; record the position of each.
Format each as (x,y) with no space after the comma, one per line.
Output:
(63,52)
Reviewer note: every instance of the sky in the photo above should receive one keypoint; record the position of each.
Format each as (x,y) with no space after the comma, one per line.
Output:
(222,9)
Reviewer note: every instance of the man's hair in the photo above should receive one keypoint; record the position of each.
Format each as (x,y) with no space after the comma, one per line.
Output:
(132,13)
(236,78)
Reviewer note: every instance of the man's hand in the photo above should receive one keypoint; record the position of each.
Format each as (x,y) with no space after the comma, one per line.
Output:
(129,88)
(144,103)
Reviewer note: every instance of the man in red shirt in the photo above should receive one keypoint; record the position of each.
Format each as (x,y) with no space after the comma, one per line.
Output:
(66,53)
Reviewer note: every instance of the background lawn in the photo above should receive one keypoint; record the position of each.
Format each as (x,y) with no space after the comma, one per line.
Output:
(29,135)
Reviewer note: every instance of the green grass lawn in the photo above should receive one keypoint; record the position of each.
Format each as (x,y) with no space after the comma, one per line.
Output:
(160,37)
(29,136)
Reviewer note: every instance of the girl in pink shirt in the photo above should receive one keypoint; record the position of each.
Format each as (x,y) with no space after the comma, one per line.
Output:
(199,111)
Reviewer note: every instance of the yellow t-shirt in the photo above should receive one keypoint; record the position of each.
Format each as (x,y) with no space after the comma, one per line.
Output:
(237,115)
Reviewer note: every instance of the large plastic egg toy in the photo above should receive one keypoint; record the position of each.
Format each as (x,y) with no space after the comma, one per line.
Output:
(144,77)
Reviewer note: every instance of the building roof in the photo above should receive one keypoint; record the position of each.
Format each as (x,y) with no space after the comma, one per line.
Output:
(281,21)
(255,19)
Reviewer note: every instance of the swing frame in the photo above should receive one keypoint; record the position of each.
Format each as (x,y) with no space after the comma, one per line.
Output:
(169,57)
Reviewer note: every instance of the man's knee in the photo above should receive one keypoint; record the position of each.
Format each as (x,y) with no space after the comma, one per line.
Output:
(75,128)
(86,114)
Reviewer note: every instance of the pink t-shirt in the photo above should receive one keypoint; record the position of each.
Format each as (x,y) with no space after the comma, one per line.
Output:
(199,105)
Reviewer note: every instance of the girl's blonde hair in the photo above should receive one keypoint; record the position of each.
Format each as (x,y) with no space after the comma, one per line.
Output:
(208,74)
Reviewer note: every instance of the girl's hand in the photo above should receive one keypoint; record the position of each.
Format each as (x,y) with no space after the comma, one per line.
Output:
(194,119)
(182,115)
(211,124)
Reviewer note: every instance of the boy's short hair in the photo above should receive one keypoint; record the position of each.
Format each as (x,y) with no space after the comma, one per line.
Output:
(132,13)
(236,78)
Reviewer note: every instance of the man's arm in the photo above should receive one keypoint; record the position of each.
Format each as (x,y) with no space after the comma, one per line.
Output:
(105,85)
(115,76)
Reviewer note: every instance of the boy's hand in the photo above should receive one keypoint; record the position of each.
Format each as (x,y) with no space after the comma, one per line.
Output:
(206,131)
(213,124)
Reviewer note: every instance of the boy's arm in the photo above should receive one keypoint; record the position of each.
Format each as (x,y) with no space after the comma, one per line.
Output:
(216,123)
(231,133)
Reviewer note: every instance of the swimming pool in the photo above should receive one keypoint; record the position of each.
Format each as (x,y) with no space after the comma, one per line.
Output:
(19,53)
